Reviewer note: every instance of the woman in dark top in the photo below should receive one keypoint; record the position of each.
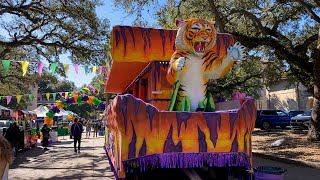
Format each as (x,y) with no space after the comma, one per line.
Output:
(45,134)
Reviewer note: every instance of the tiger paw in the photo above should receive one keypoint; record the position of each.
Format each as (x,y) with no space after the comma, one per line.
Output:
(179,63)
(236,52)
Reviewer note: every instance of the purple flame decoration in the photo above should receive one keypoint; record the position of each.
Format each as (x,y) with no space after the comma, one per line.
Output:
(70,100)
(85,98)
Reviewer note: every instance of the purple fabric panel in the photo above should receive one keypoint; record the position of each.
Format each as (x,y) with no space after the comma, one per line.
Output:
(111,165)
(187,160)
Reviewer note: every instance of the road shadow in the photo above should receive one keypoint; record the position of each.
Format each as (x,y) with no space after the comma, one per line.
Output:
(23,156)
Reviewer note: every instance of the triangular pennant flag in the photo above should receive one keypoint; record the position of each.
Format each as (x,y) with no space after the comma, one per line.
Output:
(61,94)
(53,67)
(6,65)
(94,69)
(0,98)
(86,69)
(100,69)
(48,96)
(40,96)
(25,65)
(66,68)
(76,68)
(30,98)
(40,67)
(8,99)
(66,94)
(19,98)
(54,95)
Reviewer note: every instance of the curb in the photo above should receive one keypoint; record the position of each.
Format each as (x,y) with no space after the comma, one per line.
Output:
(288,160)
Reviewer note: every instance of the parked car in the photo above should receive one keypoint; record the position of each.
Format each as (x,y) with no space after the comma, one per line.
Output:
(295,113)
(301,121)
(271,118)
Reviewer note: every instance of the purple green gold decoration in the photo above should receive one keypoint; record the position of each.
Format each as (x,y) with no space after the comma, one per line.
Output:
(76,98)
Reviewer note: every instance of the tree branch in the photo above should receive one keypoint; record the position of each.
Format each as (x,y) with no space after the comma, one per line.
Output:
(217,16)
(252,17)
(308,8)
(317,2)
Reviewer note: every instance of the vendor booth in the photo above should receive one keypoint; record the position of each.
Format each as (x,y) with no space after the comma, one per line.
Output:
(5,118)
(5,113)
(27,124)
(41,112)
(62,126)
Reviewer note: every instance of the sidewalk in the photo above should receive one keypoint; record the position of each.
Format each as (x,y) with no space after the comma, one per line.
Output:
(294,172)
(61,162)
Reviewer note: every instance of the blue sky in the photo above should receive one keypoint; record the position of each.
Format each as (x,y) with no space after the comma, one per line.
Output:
(116,16)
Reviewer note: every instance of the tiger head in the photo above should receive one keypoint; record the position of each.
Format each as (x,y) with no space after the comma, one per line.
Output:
(195,35)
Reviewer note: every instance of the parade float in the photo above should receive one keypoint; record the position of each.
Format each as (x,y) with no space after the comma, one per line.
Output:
(163,120)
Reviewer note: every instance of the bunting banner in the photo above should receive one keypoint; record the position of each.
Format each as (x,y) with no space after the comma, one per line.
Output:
(5,65)
(19,98)
(40,97)
(54,95)
(24,65)
(53,68)
(76,68)
(66,68)
(77,98)
(48,96)
(94,69)
(8,99)
(92,88)
(66,94)
(40,67)
(86,69)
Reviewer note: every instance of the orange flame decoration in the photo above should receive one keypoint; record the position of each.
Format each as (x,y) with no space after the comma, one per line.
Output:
(48,120)
(138,129)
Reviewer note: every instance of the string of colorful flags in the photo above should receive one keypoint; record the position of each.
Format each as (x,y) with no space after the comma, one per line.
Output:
(52,96)
(76,97)
(53,66)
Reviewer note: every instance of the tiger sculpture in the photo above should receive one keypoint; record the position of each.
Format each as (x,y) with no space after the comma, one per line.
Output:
(196,60)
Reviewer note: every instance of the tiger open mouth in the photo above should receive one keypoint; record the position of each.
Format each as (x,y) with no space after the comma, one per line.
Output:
(200,46)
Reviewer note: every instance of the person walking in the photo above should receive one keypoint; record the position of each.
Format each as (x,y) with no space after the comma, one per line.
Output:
(76,130)
(70,124)
(6,157)
(95,129)
(88,129)
(45,136)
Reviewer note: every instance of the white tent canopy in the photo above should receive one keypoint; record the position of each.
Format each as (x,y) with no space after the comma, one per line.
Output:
(41,111)
(2,108)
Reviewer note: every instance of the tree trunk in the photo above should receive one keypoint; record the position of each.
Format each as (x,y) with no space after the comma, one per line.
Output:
(314,126)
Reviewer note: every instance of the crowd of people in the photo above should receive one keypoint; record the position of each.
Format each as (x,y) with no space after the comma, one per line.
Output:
(9,141)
